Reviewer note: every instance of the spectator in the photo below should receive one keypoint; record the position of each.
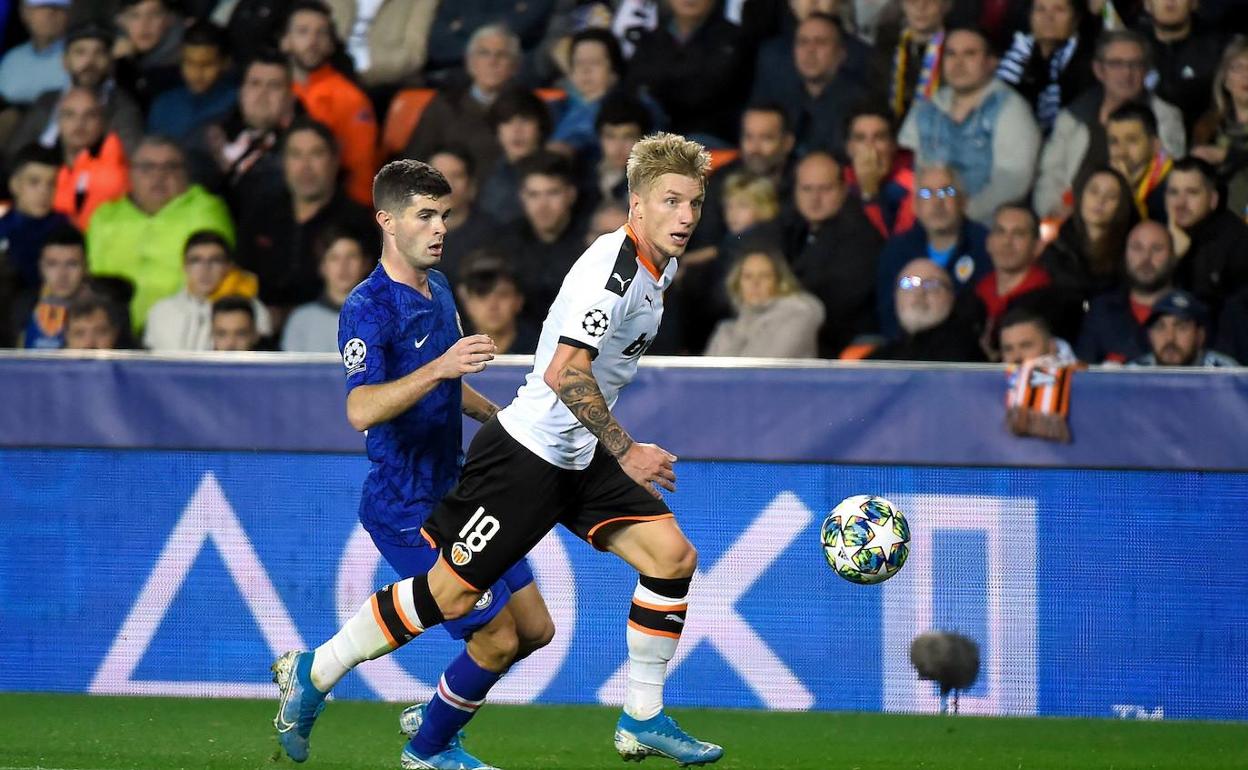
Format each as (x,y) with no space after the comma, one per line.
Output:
(141,236)
(765,149)
(450,44)
(914,69)
(458,114)
(147,52)
(833,248)
(1114,330)
(1026,335)
(234,327)
(522,123)
(29,221)
(1052,64)
(330,97)
(1233,329)
(942,234)
(775,54)
(93,323)
(818,100)
(277,239)
(621,122)
(547,240)
(1209,240)
(597,64)
(35,66)
(1014,248)
(751,213)
(1185,56)
(1079,142)
(924,298)
(1086,256)
(775,318)
(492,302)
(470,227)
(40,313)
(1135,152)
(253,26)
(183,321)
(1221,136)
(610,216)
(89,61)
(693,65)
(1177,328)
(207,93)
(94,169)
(387,40)
(241,154)
(878,174)
(976,125)
(313,327)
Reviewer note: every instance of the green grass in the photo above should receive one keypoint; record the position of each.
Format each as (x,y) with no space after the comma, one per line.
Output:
(98,733)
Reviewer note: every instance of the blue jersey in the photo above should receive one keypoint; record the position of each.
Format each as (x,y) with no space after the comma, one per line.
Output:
(387,330)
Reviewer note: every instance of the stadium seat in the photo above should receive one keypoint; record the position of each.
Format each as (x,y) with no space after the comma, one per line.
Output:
(401,119)
(722,158)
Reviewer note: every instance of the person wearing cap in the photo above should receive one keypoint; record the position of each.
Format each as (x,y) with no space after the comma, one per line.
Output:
(88,59)
(1176,333)
(33,67)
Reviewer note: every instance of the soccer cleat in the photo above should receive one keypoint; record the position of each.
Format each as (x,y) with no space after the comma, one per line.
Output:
(300,705)
(414,716)
(660,736)
(453,757)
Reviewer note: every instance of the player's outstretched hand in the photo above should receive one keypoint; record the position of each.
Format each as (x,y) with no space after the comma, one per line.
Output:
(650,464)
(467,356)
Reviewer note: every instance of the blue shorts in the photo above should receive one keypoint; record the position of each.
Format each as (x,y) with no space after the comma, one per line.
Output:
(412,560)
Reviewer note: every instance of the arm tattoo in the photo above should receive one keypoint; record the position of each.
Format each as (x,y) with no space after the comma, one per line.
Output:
(579,391)
(482,413)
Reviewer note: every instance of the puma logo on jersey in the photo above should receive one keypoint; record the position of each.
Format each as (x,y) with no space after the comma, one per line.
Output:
(649,301)
(624,282)
(420,342)
(675,619)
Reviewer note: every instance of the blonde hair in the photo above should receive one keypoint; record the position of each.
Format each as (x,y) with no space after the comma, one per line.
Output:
(1221,101)
(786,281)
(758,189)
(663,153)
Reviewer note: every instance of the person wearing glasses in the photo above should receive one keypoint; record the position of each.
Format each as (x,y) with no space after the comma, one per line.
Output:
(141,236)
(925,301)
(943,234)
(1079,140)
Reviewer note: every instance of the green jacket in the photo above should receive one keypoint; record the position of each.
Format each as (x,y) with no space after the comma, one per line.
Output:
(124,241)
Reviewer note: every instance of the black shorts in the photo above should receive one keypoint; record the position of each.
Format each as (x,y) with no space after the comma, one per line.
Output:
(509,498)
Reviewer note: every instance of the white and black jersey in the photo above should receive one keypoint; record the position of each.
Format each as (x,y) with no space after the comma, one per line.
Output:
(610,303)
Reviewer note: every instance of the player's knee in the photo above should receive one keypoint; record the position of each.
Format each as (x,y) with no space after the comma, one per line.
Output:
(494,648)
(539,636)
(459,605)
(677,560)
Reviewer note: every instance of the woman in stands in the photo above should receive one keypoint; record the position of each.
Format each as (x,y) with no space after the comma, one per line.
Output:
(1086,257)
(775,318)
(1221,136)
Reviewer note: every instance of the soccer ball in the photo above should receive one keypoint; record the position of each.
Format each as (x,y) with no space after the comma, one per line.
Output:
(865,539)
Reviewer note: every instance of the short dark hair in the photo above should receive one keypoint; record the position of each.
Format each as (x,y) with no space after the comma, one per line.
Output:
(234,304)
(205,33)
(315,6)
(399,180)
(772,108)
(546,163)
(828,18)
(304,123)
(34,154)
(65,235)
(871,110)
(484,279)
(1023,207)
(623,109)
(1023,314)
(330,235)
(519,102)
(90,304)
(1109,37)
(460,153)
(990,47)
(598,35)
(1203,167)
(269,57)
(208,237)
(1140,113)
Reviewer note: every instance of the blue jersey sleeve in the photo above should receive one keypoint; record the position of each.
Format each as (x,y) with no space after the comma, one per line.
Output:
(363,331)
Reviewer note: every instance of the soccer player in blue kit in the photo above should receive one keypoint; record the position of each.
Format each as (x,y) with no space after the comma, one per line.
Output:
(405,355)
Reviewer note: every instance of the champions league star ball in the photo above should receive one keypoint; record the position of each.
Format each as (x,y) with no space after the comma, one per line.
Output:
(865,539)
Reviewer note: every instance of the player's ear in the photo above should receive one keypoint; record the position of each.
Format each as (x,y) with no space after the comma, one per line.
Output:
(385,221)
(634,205)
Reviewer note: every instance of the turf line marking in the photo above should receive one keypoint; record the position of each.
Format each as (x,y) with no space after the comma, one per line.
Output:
(42,767)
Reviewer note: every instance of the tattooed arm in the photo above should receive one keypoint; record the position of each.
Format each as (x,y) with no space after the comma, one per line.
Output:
(571,377)
(477,406)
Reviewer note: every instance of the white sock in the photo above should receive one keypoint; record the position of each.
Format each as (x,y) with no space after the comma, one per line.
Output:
(654,626)
(386,621)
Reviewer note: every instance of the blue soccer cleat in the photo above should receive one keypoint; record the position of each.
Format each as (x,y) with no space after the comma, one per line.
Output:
(453,757)
(414,716)
(300,705)
(660,736)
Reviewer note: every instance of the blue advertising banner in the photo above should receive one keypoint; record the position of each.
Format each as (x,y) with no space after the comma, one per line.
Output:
(1090,593)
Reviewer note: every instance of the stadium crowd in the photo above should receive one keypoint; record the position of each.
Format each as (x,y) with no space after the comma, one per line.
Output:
(934,180)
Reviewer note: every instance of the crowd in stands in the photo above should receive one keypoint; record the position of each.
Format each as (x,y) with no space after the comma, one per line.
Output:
(924,180)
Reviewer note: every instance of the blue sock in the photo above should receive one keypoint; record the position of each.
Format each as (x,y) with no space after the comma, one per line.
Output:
(460,693)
